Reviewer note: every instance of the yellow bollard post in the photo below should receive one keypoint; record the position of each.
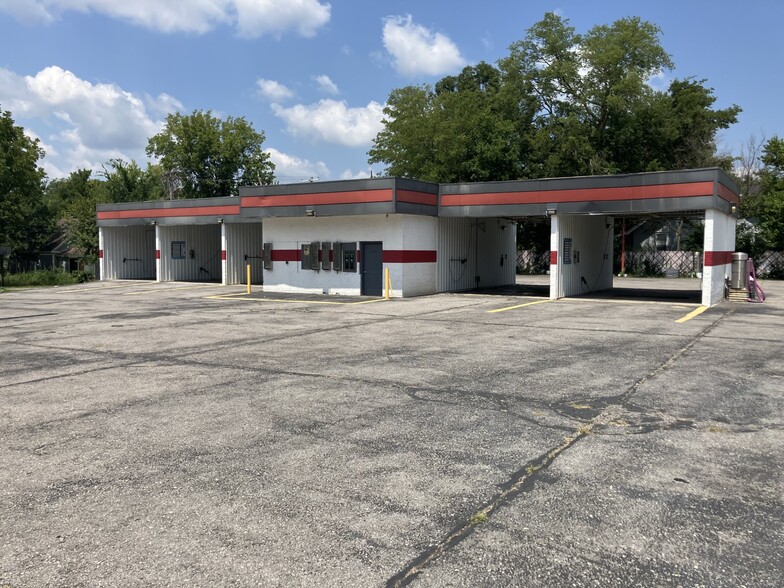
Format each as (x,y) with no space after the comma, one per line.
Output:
(248,278)
(388,282)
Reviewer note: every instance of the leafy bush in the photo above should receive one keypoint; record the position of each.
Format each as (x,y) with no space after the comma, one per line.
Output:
(47,277)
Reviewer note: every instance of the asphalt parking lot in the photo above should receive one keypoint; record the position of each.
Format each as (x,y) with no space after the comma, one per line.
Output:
(187,435)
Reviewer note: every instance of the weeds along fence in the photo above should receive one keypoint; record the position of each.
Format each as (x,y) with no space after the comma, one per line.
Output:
(769,265)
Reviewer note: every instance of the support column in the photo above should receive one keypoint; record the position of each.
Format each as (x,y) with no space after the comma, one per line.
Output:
(719,245)
(555,259)
(101,258)
(224,262)
(158,276)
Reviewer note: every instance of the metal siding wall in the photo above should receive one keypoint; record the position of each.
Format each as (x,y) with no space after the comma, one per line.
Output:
(204,241)
(496,243)
(482,243)
(244,239)
(130,243)
(454,245)
(592,239)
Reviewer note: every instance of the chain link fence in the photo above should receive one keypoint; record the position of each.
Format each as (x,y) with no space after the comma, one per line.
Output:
(769,265)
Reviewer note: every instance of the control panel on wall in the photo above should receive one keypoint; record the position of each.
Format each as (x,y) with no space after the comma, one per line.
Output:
(266,255)
(308,253)
(326,263)
(337,256)
(349,257)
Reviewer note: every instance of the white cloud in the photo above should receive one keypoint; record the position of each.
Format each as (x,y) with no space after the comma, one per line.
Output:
(417,50)
(659,81)
(272,90)
(252,18)
(260,17)
(164,104)
(85,124)
(325,84)
(289,168)
(26,11)
(333,121)
(351,175)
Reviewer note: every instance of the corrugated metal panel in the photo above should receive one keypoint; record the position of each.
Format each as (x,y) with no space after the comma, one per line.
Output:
(244,239)
(201,250)
(470,248)
(455,247)
(591,254)
(496,262)
(129,252)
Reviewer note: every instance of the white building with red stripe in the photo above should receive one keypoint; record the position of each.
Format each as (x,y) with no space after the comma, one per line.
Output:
(342,237)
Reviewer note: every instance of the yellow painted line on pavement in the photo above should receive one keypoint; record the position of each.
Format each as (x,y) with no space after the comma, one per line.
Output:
(243,298)
(622,301)
(370,301)
(521,305)
(166,289)
(75,288)
(696,312)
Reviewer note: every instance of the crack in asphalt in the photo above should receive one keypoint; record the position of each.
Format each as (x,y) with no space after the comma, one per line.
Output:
(523,479)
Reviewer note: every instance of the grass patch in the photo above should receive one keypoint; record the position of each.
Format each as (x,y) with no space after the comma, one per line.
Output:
(46,277)
(479,518)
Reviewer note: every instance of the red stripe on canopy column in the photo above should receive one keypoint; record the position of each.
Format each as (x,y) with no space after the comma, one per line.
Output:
(717,258)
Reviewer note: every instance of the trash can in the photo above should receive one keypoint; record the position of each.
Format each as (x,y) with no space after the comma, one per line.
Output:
(739,278)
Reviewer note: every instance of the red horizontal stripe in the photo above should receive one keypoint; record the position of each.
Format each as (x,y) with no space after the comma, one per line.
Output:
(285,255)
(717,258)
(580,195)
(553,258)
(417,197)
(728,194)
(408,256)
(169,212)
(353,197)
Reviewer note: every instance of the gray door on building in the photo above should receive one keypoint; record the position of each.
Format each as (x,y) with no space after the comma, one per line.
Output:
(372,267)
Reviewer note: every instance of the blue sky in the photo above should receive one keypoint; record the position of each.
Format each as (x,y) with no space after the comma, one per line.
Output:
(93,79)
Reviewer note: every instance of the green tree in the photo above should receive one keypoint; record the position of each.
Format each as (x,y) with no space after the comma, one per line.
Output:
(560,104)
(467,128)
(202,155)
(128,182)
(72,200)
(24,221)
(771,208)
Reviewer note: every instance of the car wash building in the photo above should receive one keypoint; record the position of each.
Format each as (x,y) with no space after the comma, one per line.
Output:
(341,237)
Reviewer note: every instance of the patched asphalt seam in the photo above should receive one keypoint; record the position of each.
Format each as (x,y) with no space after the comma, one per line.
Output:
(523,479)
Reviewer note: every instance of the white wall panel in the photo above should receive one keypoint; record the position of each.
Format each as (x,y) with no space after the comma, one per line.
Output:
(719,237)
(455,249)
(396,232)
(202,253)
(588,266)
(244,239)
(470,248)
(420,233)
(128,252)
